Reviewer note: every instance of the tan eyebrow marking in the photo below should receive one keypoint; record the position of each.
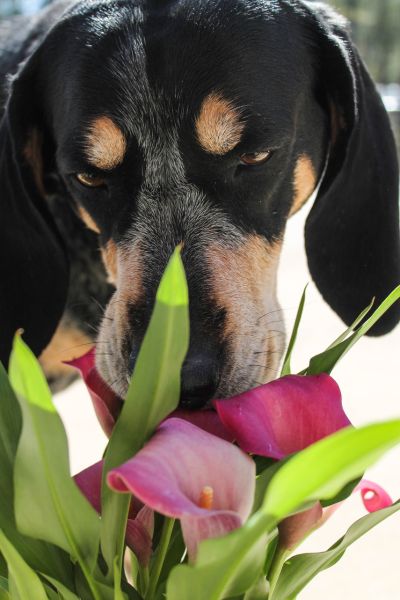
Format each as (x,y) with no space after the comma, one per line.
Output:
(305,180)
(105,144)
(218,126)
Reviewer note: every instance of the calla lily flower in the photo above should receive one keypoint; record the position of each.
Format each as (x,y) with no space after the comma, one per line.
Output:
(294,529)
(140,525)
(285,415)
(107,405)
(186,473)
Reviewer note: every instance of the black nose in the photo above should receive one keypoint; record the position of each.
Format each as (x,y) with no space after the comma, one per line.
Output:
(199,380)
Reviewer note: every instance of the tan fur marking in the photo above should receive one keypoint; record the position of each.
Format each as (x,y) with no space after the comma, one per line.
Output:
(87,219)
(244,285)
(67,343)
(105,145)
(305,181)
(110,259)
(33,154)
(218,125)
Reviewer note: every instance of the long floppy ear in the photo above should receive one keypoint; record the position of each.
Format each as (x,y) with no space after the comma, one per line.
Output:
(33,264)
(352,231)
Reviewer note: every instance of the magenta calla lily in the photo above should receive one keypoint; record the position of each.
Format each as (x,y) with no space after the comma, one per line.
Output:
(140,525)
(186,473)
(284,416)
(107,405)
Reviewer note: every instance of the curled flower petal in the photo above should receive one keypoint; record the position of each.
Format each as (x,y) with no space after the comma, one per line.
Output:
(285,415)
(374,497)
(140,525)
(107,405)
(187,473)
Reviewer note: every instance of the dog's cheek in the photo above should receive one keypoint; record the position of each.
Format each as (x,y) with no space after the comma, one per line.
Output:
(124,264)
(243,284)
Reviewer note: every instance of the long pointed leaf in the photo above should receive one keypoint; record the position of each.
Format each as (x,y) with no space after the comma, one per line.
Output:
(24,579)
(286,367)
(326,361)
(48,504)
(321,471)
(153,394)
(299,570)
(41,556)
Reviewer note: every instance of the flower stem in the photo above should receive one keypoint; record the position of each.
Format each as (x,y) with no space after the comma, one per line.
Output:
(280,556)
(143,580)
(160,557)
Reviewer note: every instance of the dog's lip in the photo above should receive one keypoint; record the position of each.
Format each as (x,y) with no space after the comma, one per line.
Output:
(108,405)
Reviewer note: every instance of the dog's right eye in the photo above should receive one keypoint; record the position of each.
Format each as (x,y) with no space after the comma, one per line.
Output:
(90,180)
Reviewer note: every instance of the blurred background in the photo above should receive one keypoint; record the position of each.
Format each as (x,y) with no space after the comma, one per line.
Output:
(368,375)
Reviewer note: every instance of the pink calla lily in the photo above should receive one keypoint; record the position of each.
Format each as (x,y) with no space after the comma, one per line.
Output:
(140,525)
(186,473)
(294,529)
(285,415)
(107,405)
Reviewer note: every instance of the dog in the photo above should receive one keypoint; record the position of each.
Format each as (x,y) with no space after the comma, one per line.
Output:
(131,126)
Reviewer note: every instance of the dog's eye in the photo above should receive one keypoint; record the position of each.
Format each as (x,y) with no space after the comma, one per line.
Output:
(90,180)
(255,158)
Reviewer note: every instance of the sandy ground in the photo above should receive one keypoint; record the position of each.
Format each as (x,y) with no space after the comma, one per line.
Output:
(368,379)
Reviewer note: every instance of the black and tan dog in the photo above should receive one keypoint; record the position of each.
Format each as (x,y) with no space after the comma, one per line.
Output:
(207,122)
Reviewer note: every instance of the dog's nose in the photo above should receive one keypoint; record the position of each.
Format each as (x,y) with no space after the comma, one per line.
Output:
(199,381)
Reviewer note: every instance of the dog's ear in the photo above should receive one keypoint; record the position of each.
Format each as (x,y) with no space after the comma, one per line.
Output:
(33,264)
(352,231)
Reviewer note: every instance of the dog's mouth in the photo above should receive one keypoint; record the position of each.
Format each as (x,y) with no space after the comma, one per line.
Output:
(108,405)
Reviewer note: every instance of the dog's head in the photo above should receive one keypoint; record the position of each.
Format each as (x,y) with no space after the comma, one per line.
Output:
(207,124)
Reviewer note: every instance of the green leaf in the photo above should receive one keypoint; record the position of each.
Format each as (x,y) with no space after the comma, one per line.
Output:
(48,504)
(299,570)
(226,566)
(3,583)
(353,326)
(326,361)
(321,471)
(24,580)
(39,555)
(286,368)
(4,595)
(153,394)
(62,590)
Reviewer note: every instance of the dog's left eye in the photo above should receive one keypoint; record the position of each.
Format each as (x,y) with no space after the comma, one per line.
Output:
(90,180)
(255,158)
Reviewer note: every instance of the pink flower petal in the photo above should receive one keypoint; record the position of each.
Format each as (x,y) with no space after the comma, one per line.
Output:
(196,529)
(208,420)
(294,529)
(140,525)
(373,496)
(139,535)
(107,405)
(284,416)
(172,471)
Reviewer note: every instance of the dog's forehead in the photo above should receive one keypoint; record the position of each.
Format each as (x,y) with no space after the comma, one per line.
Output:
(171,60)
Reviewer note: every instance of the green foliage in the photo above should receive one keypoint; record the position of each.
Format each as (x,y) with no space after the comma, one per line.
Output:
(53,520)
(48,504)
(298,571)
(153,394)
